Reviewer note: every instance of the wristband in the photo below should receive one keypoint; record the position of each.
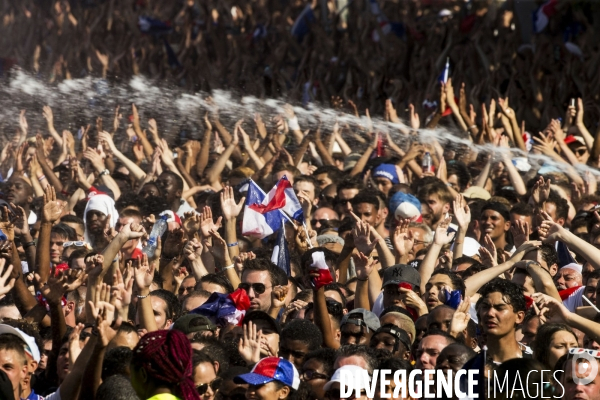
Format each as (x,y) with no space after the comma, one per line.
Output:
(104,172)
(29,244)
(41,178)
(232,244)
(363,280)
(229,266)
(293,124)
(472,126)
(141,297)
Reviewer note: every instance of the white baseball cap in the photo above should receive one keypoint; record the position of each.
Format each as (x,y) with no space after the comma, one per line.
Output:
(30,347)
(351,373)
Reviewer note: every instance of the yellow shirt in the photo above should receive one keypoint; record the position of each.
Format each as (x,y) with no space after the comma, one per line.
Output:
(164,396)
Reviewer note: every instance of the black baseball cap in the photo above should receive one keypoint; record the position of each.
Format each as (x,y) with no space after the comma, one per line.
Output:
(401,273)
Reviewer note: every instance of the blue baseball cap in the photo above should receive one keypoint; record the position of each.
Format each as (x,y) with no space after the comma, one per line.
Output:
(271,369)
(387,171)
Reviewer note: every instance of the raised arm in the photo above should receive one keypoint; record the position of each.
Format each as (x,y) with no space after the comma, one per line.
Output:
(442,237)
(133,168)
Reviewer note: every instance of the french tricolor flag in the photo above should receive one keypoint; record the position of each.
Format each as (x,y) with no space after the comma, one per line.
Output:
(259,223)
(542,15)
(263,213)
(223,309)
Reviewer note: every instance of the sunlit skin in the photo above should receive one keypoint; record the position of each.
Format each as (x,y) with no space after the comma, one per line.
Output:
(567,278)
(205,373)
(579,391)
(344,206)
(367,212)
(261,301)
(307,189)
(560,344)
(324,180)
(493,224)
(428,351)
(14,366)
(56,247)
(383,184)
(437,209)
(419,241)
(434,290)
(211,287)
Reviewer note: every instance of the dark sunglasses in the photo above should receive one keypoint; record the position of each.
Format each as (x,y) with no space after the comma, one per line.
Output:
(259,288)
(214,385)
(309,375)
(580,152)
(321,221)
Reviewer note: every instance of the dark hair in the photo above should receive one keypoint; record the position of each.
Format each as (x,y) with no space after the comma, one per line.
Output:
(173,306)
(543,338)
(549,254)
(510,291)
(309,179)
(153,205)
(199,357)
(437,187)
(462,173)
(359,350)
(366,197)
(472,270)
(350,183)
(336,287)
(116,387)
(438,332)
(65,231)
(116,362)
(303,331)
(522,209)
(128,200)
(217,279)
(73,219)
(131,213)
(333,173)
(281,278)
(262,264)
(215,348)
(334,309)
(457,281)
(324,356)
(562,206)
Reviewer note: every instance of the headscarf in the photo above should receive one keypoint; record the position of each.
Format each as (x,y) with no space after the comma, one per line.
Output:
(104,204)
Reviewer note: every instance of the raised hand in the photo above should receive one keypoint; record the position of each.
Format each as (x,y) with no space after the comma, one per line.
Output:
(550,232)
(229,207)
(93,266)
(193,249)
(206,222)
(545,145)
(6,225)
(403,239)
(364,265)
(218,248)
(415,122)
(53,290)
(442,235)
(278,296)
(144,272)
(53,208)
(122,289)
(489,245)
(6,282)
(238,260)
(95,158)
(362,236)
(520,231)
(541,190)
(412,300)
(249,345)
(107,139)
(462,213)
(461,317)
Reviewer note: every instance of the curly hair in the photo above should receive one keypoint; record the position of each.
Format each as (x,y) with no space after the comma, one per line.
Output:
(511,293)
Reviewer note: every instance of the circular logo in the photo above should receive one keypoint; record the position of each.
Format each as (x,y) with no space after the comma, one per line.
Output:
(584,365)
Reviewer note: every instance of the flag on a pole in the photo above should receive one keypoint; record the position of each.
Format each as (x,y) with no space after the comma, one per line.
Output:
(446,72)
(260,223)
(281,253)
(281,197)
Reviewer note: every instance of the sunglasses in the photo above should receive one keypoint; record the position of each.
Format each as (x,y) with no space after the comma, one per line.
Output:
(259,288)
(320,221)
(309,375)
(79,243)
(580,152)
(579,350)
(214,385)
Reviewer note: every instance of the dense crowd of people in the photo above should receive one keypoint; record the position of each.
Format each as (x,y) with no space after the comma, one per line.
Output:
(138,263)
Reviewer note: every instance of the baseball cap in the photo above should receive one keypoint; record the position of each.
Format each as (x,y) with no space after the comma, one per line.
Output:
(367,318)
(30,347)
(401,273)
(191,323)
(262,316)
(387,171)
(405,205)
(399,333)
(271,369)
(352,373)
(476,192)
(572,139)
